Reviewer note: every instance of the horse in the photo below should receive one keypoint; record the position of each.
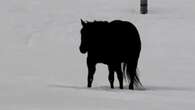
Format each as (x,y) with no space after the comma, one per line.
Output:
(116,44)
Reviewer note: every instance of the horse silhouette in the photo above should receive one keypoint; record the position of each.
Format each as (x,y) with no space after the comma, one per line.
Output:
(116,44)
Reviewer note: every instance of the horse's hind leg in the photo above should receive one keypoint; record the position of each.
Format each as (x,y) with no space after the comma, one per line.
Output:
(91,71)
(131,85)
(120,76)
(132,69)
(111,76)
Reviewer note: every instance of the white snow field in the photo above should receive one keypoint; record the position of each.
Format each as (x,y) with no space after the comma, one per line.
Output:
(41,67)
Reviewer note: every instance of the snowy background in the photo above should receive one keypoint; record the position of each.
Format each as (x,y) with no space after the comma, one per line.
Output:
(41,67)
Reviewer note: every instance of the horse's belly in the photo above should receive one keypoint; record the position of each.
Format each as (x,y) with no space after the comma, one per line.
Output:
(107,58)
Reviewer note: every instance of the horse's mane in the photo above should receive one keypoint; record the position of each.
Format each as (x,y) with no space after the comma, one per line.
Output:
(96,24)
(97,27)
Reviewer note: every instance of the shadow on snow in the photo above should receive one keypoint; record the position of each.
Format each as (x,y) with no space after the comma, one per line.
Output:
(107,88)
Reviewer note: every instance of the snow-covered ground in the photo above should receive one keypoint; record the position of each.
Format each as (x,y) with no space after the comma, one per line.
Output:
(41,67)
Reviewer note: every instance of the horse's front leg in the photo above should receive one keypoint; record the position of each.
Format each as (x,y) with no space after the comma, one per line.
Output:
(91,72)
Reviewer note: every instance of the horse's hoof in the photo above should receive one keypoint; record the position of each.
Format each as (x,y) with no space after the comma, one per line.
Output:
(131,88)
(89,85)
(121,87)
(111,86)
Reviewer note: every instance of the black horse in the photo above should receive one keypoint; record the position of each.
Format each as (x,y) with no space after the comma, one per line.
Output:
(116,44)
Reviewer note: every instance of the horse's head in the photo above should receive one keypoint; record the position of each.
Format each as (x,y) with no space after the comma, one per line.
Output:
(84,37)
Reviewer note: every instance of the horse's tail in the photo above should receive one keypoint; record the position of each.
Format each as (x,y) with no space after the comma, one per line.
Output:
(130,74)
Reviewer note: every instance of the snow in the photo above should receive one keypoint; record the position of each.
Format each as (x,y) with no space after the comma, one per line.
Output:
(41,67)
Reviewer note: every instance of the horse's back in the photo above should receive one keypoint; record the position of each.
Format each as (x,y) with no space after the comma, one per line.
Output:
(126,37)
(115,41)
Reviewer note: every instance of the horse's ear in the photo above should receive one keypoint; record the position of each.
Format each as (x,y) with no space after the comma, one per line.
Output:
(83,23)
